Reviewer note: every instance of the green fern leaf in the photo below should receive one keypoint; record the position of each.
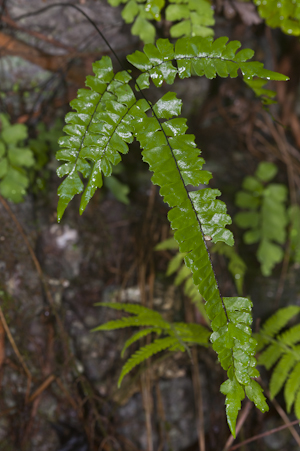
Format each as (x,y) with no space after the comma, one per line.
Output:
(96,134)
(297,405)
(270,356)
(108,117)
(130,322)
(141,12)
(283,346)
(291,336)
(169,243)
(15,159)
(137,336)
(145,352)
(279,320)
(292,387)
(175,263)
(254,393)
(192,333)
(144,317)
(234,395)
(266,218)
(198,56)
(280,373)
(284,14)
(194,18)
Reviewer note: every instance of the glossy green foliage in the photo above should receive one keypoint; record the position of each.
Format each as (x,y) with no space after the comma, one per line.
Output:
(281,347)
(15,159)
(192,17)
(141,13)
(183,274)
(264,215)
(175,336)
(201,57)
(284,14)
(232,340)
(236,265)
(108,117)
(96,135)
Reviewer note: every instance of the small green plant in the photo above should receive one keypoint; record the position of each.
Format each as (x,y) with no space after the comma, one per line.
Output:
(284,14)
(283,347)
(193,17)
(266,217)
(141,12)
(109,116)
(15,159)
(176,336)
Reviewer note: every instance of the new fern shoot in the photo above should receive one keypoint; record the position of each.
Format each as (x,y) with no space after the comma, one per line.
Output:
(109,115)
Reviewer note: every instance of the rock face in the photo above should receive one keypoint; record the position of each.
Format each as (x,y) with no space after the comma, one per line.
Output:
(73,278)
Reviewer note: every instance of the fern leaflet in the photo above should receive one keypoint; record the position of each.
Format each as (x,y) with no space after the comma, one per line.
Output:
(193,17)
(266,216)
(284,14)
(179,333)
(15,159)
(283,348)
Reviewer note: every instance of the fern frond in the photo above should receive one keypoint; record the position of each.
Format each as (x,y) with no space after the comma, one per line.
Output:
(286,347)
(130,322)
(174,265)
(266,216)
(147,351)
(180,333)
(284,14)
(291,336)
(109,116)
(193,17)
(270,356)
(192,333)
(279,320)
(137,336)
(96,135)
(15,159)
(280,373)
(292,387)
(199,56)
(169,243)
(144,317)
